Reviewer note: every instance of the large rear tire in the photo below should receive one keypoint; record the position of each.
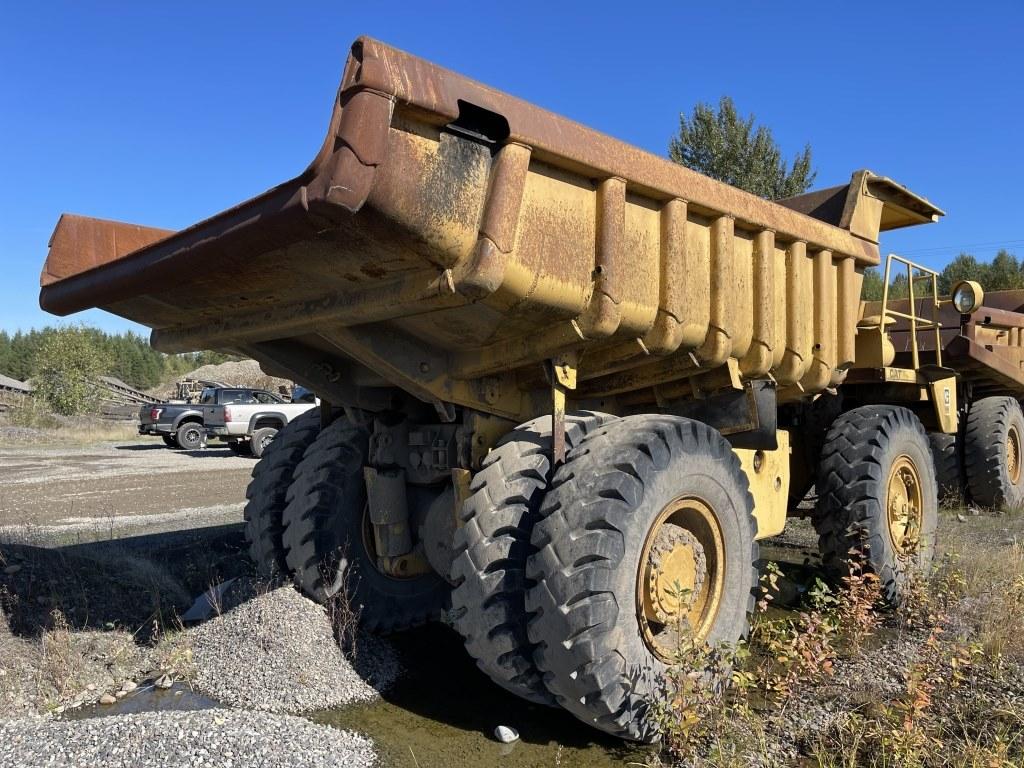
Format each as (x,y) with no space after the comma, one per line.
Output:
(326,538)
(268,490)
(648,525)
(877,496)
(993,457)
(492,546)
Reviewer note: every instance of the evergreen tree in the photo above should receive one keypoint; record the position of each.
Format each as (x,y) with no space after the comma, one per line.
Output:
(727,147)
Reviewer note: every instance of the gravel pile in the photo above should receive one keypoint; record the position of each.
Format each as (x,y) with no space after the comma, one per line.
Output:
(240,373)
(209,737)
(277,653)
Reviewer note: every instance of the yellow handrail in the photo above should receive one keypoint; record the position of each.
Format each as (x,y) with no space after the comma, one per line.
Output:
(917,323)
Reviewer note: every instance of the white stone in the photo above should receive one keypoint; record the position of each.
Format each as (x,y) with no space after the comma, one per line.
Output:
(506,734)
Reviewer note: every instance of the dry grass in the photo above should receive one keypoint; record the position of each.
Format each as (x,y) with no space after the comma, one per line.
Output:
(34,425)
(992,571)
(99,431)
(61,667)
(941,685)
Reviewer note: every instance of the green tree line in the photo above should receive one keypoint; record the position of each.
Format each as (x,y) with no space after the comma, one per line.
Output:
(127,356)
(1003,273)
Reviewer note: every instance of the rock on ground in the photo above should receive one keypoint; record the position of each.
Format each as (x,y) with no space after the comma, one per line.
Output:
(277,652)
(171,739)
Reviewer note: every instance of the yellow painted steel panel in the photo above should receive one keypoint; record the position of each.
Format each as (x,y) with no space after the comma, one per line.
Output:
(638,303)
(550,269)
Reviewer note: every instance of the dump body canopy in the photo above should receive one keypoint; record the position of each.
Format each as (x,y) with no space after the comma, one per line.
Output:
(448,238)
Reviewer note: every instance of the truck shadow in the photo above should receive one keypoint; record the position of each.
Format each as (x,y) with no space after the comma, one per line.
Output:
(139,583)
(211,452)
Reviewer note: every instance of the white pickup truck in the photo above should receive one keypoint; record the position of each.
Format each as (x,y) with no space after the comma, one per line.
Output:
(250,424)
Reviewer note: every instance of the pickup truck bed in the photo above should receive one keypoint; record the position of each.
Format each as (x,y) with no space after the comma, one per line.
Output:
(253,422)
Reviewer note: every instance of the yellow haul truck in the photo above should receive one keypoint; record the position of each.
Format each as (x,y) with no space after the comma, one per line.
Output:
(566,385)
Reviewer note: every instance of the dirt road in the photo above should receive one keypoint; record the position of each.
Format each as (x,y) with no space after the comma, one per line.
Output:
(113,489)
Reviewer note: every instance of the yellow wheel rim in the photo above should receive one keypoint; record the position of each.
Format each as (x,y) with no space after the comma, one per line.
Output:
(1013,455)
(904,503)
(681,576)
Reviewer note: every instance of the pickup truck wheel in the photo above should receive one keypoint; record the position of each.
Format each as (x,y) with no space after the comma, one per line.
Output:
(327,546)
(993,455)
(877,496)
(261,441)
(191,436)
(267,492)
(169,441)
(646,532)
(492,546)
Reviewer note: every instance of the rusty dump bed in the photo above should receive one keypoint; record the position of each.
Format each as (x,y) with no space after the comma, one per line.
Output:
(448,238)
(986,347)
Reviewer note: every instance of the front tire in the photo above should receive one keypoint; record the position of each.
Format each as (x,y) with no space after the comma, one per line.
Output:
(326,540)
(646,527)
(993,457)
(877,496)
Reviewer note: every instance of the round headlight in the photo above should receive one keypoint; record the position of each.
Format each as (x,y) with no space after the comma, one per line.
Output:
(967,296)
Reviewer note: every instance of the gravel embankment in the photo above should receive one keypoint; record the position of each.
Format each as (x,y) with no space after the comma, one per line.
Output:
(205,738)
(276,652)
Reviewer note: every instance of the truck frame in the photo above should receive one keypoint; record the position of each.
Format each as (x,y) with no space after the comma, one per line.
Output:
(566,385)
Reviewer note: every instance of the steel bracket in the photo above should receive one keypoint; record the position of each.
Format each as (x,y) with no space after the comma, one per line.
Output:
(562,374)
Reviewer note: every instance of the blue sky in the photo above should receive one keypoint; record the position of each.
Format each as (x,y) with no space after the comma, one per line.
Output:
(163,114)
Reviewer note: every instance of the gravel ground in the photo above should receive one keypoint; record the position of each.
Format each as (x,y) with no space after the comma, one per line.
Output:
(67,494)
(209,737)
(276,652)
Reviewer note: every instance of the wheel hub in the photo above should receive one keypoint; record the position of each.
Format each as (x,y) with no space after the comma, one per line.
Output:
(680,582)
(904,506)
(675,574)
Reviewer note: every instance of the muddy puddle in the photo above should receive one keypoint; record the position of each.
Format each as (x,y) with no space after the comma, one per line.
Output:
(443,713)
